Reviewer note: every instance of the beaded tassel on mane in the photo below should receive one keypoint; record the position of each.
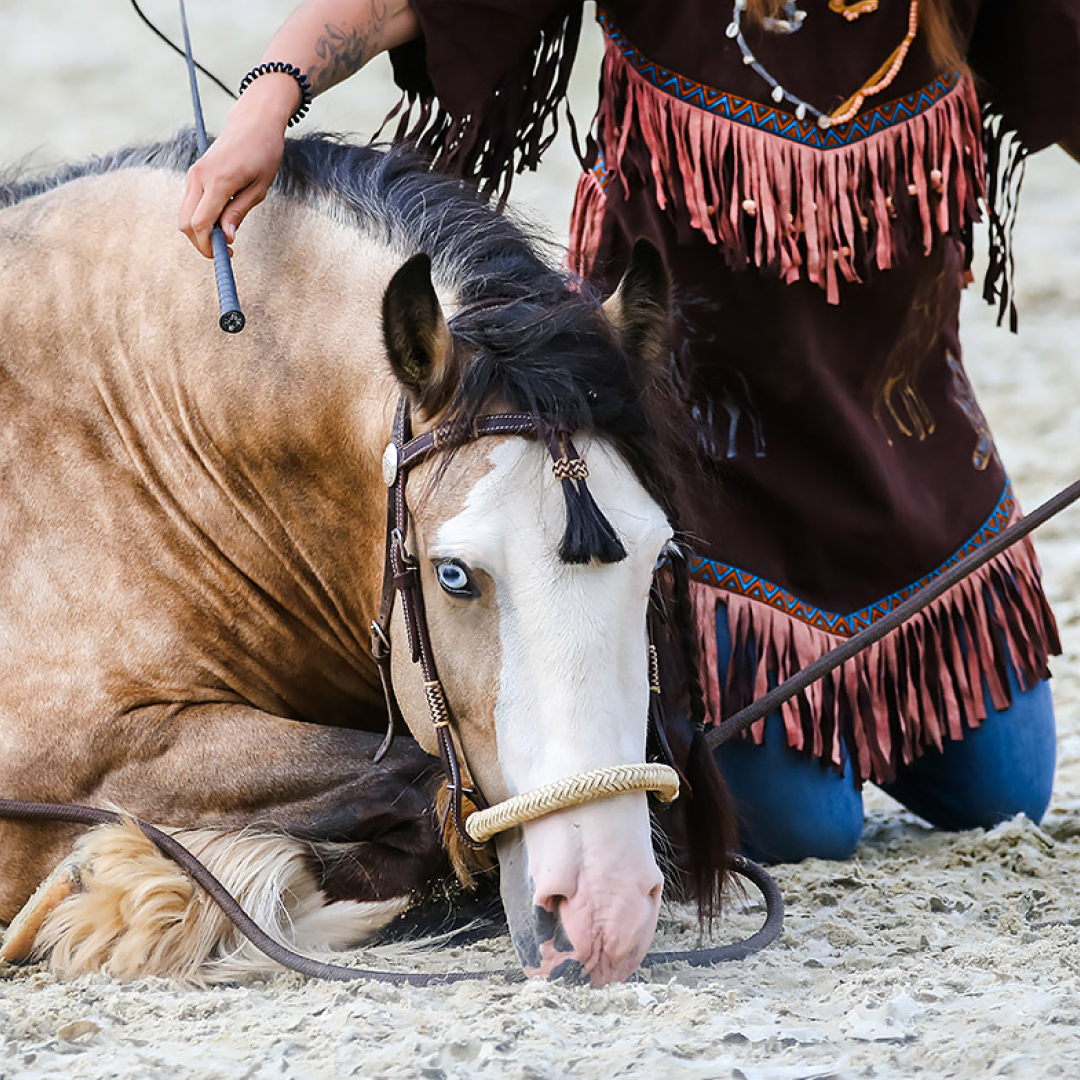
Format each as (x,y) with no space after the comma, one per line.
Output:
(589,535)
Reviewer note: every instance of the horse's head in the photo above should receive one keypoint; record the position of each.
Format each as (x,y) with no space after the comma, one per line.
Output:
(540,636)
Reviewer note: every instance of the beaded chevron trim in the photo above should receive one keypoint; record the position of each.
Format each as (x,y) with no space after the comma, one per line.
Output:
(767,117)
(798,201)
(729,578)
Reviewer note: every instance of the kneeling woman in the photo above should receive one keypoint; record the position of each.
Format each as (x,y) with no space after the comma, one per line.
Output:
(812,171)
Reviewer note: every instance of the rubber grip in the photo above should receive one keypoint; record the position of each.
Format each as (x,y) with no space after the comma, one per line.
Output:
(232,318)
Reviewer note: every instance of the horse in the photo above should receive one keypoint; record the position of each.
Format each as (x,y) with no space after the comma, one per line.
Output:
(193,537)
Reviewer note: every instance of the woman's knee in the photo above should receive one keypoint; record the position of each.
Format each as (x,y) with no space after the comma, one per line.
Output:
(1002,768)
(830,829)
(790,807)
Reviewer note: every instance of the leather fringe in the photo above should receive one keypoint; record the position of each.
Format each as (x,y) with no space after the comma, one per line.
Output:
(827,216)
(913,690)
(512,129)
(1006,158)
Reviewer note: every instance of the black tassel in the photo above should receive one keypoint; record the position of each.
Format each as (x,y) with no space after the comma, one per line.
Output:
(1006,158)
(709,825)
(589,535)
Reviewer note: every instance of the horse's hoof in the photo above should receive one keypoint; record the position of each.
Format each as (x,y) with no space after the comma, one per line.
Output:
(21,936)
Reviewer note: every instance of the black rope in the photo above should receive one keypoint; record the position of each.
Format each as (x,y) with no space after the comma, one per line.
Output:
(821,667)
(180,52)
(90,815)
(738,950)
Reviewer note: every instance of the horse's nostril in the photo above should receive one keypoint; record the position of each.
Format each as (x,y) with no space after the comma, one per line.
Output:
(549,926)
(656,891)
(569,971)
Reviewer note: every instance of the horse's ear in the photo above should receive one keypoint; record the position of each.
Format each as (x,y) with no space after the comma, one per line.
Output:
(417,338)
(640,308)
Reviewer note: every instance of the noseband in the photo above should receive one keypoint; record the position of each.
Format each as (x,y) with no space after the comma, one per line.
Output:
(401,575)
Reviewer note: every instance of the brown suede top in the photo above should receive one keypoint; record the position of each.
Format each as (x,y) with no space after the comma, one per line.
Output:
(843,455)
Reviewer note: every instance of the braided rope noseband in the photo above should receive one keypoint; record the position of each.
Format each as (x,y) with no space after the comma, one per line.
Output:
(576,790)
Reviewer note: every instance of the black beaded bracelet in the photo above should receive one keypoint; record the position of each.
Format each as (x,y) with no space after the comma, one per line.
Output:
(278,67)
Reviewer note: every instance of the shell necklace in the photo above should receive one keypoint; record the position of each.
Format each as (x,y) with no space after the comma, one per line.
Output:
(790,24)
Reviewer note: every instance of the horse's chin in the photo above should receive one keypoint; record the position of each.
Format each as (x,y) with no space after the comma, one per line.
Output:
(576,942)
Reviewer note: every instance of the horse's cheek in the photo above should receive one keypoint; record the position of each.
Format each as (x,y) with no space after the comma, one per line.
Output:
(469,640)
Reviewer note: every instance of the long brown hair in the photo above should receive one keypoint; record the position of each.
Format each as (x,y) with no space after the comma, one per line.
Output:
(935,22)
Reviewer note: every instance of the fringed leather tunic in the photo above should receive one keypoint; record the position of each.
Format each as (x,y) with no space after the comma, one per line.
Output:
(844,461)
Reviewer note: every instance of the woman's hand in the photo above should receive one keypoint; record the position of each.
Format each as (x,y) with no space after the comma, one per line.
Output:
(328,40)
(236,172)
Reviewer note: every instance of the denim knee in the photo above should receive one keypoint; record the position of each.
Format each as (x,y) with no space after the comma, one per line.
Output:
(789,806)
(1002,768)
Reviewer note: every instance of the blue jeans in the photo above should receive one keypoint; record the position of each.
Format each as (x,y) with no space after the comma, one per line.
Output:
(791,807)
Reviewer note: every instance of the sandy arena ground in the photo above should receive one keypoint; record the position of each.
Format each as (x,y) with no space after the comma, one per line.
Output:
(928,954)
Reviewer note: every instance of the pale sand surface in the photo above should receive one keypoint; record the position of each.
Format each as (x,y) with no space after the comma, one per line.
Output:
(928,954)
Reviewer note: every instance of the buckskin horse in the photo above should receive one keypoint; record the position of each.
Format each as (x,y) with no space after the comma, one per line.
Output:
(193,538)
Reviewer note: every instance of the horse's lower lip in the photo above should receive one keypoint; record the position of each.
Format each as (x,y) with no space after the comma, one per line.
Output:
(593,921)
(607,960)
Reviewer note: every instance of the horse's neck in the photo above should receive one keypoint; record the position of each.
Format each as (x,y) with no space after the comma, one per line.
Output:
(265,445)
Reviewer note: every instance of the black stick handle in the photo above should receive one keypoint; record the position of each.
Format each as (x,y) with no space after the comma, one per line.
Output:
(232,318)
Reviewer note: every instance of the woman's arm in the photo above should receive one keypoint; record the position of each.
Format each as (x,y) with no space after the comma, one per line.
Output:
(328,40)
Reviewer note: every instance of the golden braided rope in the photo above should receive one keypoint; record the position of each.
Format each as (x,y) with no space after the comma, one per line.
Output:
(586,787)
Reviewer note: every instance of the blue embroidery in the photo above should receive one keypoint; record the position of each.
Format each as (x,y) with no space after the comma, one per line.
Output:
(731,579)
(771,119)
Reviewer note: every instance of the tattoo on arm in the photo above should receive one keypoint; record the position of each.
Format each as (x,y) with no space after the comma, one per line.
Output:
(343,51)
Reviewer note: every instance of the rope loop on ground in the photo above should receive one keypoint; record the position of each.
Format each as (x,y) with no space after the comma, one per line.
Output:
(576,790)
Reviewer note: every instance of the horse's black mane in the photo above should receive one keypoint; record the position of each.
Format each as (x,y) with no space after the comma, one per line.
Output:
(538,342)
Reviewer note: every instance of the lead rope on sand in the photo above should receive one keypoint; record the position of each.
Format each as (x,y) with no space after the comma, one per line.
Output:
(317,969)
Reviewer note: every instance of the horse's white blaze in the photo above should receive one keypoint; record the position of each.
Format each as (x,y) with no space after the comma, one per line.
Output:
(573,691)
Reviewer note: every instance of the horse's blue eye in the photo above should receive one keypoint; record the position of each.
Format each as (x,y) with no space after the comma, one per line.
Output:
(454,578)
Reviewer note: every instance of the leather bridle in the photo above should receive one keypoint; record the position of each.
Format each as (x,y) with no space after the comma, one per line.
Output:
(401,576)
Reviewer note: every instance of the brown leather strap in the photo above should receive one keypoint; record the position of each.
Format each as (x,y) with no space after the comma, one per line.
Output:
(449,436)
(401,575)
(380,628)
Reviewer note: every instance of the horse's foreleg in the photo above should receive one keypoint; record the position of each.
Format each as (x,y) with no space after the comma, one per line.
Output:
(228,765)
(321,824)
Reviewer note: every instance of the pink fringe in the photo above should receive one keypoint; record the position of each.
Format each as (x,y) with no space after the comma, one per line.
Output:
(912,690)
(586,222)
(823,215)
